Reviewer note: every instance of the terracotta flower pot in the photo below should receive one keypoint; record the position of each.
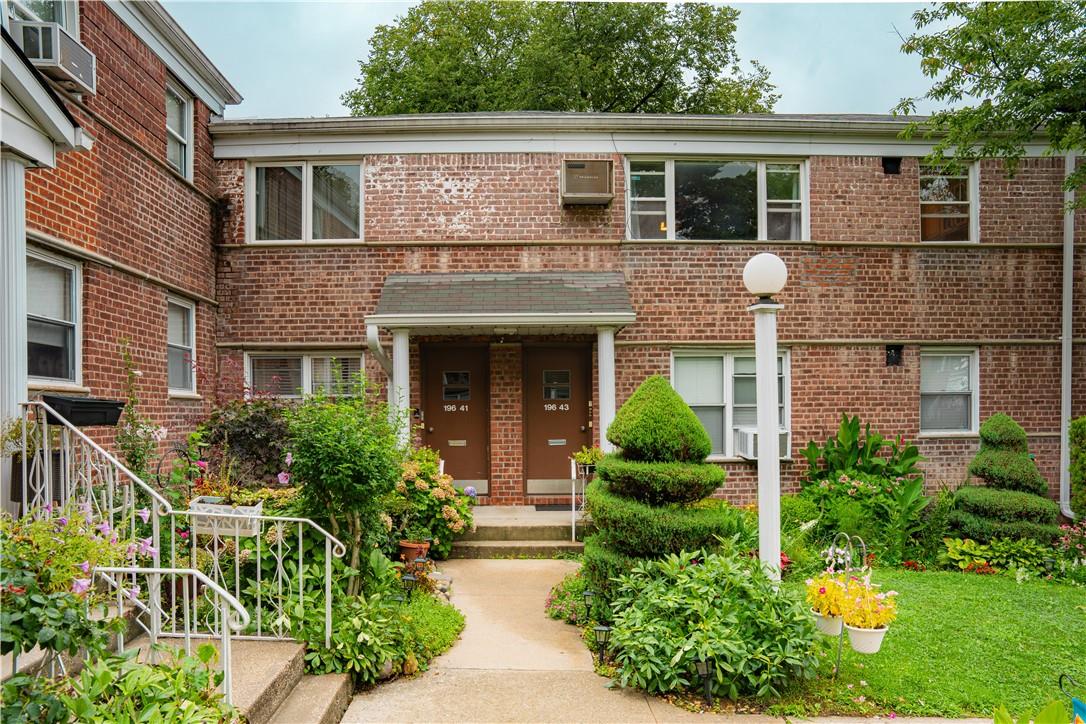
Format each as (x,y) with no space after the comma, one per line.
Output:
(829,625)
(412,549)
(866,640)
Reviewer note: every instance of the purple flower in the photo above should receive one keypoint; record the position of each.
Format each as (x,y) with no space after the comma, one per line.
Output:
(144,514)
(81,585)
(49,508)
(145,547)
(133,592)
(61,522)
(85,509)
(470,491)
(284,478)
(104,528)
(84,566)
(290,459)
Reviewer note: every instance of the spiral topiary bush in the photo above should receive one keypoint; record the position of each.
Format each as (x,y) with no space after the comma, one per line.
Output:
(659,483)
(655,425)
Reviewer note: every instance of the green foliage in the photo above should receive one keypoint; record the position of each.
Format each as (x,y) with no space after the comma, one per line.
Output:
(903,521)
(850,452)
(432,627)
(602,564)
(964,554)
(1002,432)
(1053,713)
(936,525)
(968,525)
(645,531)
(1007,505)
(659,483)
(656,425)
(587,455)
(1008,470)
(797,510)
(252,432)
(720,607)
(1078,466)
(347,458)
(564,56)
(28,698)
(137,438)
(1022,554)
(122,690)
(1024,66)
(565,602)
(425,504)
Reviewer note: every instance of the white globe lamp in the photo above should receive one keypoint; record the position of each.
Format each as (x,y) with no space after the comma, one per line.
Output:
(765,275)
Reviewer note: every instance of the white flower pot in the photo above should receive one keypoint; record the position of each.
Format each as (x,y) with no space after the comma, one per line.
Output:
(866,640)
(220,524)
(829,625)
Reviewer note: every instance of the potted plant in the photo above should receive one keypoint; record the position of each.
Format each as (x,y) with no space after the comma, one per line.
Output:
(214,494)
(867,614)
(826,594)
(415,544)
(586,459)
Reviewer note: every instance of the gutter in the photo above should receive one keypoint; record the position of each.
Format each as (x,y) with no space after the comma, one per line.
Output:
(373,341)
(1066,342)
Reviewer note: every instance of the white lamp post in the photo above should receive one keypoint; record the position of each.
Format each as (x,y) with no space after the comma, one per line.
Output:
(765,275)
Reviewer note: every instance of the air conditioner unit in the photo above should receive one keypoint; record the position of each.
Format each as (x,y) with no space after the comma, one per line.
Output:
(586,183)
(746,443)
(57,54)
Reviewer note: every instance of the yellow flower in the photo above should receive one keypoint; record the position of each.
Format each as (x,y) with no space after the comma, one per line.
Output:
(864,606)
(826,594)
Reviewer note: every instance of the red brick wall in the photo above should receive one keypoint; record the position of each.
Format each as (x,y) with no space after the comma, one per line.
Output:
(506,422)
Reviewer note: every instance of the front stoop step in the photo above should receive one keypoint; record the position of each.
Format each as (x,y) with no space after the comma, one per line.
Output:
(264,672)
(485,532)
(316,700)
(515,548)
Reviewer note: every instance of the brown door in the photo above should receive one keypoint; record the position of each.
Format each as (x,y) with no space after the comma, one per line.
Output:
(557,414)
(455,405)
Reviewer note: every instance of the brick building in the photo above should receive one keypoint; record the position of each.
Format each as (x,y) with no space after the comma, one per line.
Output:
(436,253)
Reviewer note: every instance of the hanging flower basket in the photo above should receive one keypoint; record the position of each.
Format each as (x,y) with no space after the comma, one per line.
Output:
(829,625)
(866,640)
(224,524)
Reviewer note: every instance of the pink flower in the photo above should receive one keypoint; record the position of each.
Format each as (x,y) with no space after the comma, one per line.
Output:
(284,478)
(144,514)
(892,715)
(184,535)
(202,464)
(133,592)
(84,566)
(104,528)
(290,459)
(145,547)
(81,586)
(860,699)
(822,591)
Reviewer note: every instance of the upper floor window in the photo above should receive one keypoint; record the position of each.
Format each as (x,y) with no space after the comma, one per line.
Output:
(181,345)
(949,400)
(179,129)
(292,375)
(721,389)
(63,12)
(948,209)
(306,201)
(717,199)
(52,318)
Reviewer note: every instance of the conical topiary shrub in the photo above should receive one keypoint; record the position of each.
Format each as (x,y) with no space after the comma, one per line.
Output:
(1004,460)
(656,425)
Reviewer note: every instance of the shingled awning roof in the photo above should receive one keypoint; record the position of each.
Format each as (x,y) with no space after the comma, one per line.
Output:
(516,300)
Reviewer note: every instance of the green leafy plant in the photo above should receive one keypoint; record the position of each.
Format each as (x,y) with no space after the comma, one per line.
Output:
(797,510)
(565,602)
(659,483)
(903,519)
(1077,440)
(137,437)
(656,425)
(1053,713)
(252,432)
(588,455)
(425,504)
(1023,554)
(852,451)
(962,554)
(968,525)
(1007,505)
(936,523)
(668,614)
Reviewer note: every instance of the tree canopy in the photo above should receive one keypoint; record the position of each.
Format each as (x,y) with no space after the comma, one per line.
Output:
(1012,69)
(559,56)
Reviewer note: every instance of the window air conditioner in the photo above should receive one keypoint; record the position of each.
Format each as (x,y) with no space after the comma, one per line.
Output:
(586,183)
(746,443)
(56,54)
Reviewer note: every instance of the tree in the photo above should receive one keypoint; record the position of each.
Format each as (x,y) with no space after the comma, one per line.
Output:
(559,56)
(1021,67)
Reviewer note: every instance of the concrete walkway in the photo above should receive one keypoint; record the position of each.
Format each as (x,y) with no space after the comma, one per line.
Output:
(513,664)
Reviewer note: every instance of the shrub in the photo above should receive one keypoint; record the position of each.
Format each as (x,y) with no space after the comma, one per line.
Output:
(1022,554)
(1008,470)
(670,613)
(656,425)
(1001,432)
(565,602)
(797,510)
(252,432)
(1007,505)
(645,531)
(432,626)
(849,452)
(426,505)
(1078,466)
(936,525)
(659,483)
(602,564)
(968,525)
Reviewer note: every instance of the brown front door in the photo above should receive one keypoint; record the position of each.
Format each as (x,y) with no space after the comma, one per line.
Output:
(456,400)
(557,414)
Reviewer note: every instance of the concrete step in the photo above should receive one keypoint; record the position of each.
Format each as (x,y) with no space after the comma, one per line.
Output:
(264,672)
(514,548)
(316,700)
(497,532)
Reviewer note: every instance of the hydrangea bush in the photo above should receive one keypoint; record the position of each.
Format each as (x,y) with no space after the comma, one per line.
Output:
(425,504)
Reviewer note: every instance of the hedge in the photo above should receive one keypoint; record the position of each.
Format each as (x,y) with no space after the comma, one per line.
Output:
(1078,466)
(1007,505)
(600,564)
(660,483)
(655,425)
(1001,432)
(644,531)
(967,525)
(797,510)
(1008,470)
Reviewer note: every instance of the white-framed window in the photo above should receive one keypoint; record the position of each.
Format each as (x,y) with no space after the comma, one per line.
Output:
(53,325)
(717,199)
(721,389)
(949,210)
(64,12)
(181,345)
(949,391)
(179,129)
(305,201)
(292,374)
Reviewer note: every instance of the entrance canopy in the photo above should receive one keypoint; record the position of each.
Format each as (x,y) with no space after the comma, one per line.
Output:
(503,302)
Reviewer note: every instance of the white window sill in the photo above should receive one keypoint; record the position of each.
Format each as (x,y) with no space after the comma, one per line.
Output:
(726,459)
(58,386)
(947,434)
(184,395)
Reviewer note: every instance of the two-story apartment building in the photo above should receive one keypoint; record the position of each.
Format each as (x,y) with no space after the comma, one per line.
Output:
(447,257)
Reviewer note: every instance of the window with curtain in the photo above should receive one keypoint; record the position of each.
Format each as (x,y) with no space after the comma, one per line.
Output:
(336,199)
(948,391)
(52,318)
(946,209)
(178,129)
(181,345)
(278,203)
(292,375)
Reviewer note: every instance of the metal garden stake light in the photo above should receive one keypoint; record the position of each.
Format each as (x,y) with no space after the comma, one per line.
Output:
(702,666)
(408,582)
(603,634)
(764,276)
(588,595)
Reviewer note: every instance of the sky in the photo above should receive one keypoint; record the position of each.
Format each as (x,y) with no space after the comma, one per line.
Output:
(295,58)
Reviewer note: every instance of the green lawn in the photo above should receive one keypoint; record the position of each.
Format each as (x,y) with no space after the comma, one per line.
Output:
(962,645)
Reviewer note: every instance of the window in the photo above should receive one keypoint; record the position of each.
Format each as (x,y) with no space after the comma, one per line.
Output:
(717,199)
(948,391)
(947,211)
(307,201)
(721,389)
(64,12)
(52,318)
(181,345)
(179,130)
(556,385)
(289,375)
(456,386)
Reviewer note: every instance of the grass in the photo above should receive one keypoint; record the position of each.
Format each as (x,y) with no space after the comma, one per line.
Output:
(962,646)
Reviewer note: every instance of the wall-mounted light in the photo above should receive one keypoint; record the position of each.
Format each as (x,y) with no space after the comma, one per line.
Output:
(895,354)
(891,165)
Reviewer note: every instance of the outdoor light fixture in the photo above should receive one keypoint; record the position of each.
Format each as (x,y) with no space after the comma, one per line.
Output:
(603,634)
(764,276)
(702,666)
(588,596)
(409,582)
(421,561)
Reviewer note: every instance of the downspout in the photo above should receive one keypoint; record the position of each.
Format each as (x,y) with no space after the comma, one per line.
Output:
(373,341)
(1066,342)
